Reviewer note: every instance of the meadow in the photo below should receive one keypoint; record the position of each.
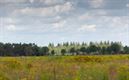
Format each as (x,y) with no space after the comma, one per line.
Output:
(97,67)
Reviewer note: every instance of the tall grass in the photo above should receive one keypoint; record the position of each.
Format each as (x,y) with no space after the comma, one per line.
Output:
(65,68)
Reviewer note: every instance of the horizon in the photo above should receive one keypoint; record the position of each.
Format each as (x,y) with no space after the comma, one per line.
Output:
(56,21)
(55,44)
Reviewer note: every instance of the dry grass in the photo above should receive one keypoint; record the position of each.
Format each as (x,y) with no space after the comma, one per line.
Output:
(65,68)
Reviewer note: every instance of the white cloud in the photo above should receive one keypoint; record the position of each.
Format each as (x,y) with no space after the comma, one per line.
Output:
(7,20)
(46,11)
(120,22)
(127,5)
(47,2)
(92,14)
(57,17)
(51,2)
(116,22)
(12,1)
(96,3)
(86,27)
(64,8)
(85,16)
(59,24)
(11,27)
(31,1)
(9,24)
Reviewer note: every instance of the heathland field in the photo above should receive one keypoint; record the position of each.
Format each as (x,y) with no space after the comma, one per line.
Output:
(114,67)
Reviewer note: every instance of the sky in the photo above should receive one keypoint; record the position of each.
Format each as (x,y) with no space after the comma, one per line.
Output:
(56,21)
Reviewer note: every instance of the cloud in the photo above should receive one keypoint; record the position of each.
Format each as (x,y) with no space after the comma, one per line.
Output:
(96,3)
(7,20)
(120,22)
(91,14)
(11,27)
(59,24)
(31,1)
(116,22)
(90,28)
(85,16)
(127,5)
(12,1)
(46,2)
(9,24)
(45,11)
(51,2)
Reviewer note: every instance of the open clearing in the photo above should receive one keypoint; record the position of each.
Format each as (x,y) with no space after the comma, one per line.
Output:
(115,67)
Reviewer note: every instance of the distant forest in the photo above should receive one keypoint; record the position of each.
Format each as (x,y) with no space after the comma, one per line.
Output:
(66,48)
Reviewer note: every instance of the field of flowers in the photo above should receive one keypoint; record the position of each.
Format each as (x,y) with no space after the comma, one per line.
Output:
(115,67)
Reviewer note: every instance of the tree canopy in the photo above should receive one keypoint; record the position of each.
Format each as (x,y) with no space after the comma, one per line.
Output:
(66,48)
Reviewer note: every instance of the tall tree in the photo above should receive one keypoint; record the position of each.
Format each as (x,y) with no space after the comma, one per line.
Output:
(63,51)
(115,48)
(126,50)
(72,50)
(83,50)
(53,52)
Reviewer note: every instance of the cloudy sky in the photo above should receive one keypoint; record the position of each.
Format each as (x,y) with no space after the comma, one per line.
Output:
(44,21)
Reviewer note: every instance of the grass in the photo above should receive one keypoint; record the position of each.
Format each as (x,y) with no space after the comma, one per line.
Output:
(115,67)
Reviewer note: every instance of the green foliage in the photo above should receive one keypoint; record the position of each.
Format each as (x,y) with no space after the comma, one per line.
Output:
(115,47)
(63,51)
(68,48)
(52,52)
(126,49)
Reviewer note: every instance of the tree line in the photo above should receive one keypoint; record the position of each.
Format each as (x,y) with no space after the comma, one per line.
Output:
(67,48)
